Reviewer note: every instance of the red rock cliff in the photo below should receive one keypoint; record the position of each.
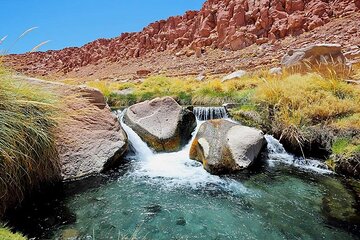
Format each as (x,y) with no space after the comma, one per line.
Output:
(223,24)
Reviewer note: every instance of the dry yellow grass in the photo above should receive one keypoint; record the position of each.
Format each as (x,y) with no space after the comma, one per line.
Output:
(27,148)
(310,97)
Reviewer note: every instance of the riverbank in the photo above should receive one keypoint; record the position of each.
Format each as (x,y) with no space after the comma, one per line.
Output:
(314,112)
(157,195)
(287,105)
(48,131)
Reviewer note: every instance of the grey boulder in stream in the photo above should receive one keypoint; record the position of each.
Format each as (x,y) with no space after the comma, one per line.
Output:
(162,123)
(224,146)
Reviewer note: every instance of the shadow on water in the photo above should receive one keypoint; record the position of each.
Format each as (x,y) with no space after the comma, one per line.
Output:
(120,201)
(46,210)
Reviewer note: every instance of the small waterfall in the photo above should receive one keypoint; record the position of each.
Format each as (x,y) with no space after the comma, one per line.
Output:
(277,153)
(208,113)
(176,169)
(173,169)
(142,150)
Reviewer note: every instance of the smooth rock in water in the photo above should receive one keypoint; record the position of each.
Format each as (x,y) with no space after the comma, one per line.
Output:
(339,202)
(234,75)
(89,139)
(162,123)
(223,146)
(314,54)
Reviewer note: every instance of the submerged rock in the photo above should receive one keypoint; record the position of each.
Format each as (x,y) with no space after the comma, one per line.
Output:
(339,204)
(89,139)
(181,221)
(162,123)
(70,234)
(223,146)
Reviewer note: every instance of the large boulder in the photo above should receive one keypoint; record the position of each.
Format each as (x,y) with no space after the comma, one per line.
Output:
(162,123)
(314,54)
(89,138)
(224,146)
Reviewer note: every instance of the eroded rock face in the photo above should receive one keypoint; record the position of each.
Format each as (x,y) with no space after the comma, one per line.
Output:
(89,138)
(223,24)
(223,146)
(314,54)
(162,123)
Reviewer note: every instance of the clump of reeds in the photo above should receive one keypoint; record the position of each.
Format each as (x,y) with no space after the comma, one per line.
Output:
(27,147)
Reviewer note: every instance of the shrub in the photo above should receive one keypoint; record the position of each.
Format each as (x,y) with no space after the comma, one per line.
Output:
(27,148)
(298,101)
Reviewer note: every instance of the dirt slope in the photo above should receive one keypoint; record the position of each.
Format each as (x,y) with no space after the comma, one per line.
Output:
(223,36)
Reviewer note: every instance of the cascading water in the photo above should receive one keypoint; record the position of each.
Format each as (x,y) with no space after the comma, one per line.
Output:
(179,170)
(168,196)
(208,113)
(176,168)
(277,153)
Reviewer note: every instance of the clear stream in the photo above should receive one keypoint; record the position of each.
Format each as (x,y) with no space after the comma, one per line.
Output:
(169,196)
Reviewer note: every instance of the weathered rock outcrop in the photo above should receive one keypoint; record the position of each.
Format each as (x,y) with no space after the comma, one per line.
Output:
(162,123)
(314,54)
(89,137)
(223,24)
(223,146)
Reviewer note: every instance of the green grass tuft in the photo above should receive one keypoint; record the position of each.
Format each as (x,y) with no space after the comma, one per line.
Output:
(6,234)
(27,147)
(345,146)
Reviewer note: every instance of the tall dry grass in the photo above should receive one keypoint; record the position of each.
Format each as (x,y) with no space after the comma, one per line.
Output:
(298,101)
(27,149)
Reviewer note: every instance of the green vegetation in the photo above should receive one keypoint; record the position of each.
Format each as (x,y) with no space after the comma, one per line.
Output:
(6,234)
(187,91)
(345,146)
(297,102)
(298,106)
(27,149)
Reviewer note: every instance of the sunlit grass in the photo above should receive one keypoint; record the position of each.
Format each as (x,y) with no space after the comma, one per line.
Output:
(345,146)
(6,234)
(187,91)
(27,147)
(285,104)
(298,101)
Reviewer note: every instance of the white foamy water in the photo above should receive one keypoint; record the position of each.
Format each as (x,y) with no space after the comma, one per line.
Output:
(277,153)
(174,169)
